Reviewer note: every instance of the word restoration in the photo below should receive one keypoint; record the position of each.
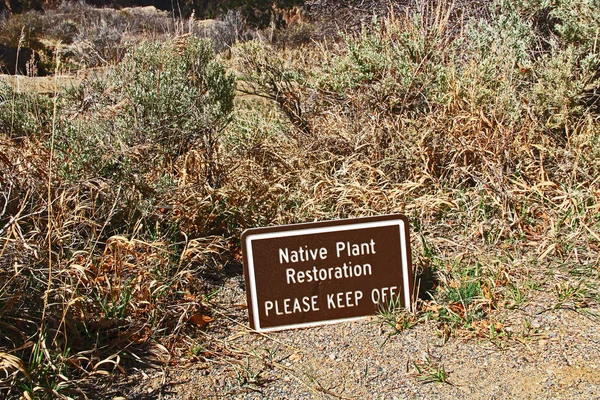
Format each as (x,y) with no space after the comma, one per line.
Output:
(325,272)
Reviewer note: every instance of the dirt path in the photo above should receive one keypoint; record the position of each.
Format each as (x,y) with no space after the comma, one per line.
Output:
(534,352)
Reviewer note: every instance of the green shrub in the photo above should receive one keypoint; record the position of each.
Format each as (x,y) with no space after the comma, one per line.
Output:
(395,65)
(23,114)
(176,98)
(565,60)
(163,100)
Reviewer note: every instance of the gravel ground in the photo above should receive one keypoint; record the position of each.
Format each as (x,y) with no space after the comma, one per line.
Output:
(543,354)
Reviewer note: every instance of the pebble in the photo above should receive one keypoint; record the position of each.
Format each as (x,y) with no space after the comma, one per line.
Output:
(353,360)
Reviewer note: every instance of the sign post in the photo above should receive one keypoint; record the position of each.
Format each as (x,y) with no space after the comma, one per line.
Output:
(326,272)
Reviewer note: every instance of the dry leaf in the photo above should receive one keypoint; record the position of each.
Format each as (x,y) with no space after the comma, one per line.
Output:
(189,297)
(200,319)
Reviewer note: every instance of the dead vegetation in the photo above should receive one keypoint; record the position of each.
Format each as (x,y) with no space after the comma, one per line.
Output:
(123,197)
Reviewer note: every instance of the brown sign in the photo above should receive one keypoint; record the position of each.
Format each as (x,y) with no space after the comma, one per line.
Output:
(326,272)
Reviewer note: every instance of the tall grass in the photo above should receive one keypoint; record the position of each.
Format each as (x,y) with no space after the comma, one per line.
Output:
(484,133)
(94,266)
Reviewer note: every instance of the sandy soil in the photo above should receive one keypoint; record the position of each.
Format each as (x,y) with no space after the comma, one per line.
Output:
(540,353)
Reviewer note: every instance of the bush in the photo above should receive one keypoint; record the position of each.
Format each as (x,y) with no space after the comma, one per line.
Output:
(110,165)
(177,98)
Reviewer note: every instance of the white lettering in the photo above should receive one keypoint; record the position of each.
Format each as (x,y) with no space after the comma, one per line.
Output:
(339,246)
(268,306)
(330,303)
(284,254)
(292,305)
(354,249)
(343,299)
(303,254)
(323,253)
(321,274)
(289,274)
(384,295)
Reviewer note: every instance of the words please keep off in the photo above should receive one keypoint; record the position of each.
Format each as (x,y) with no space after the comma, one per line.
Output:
(343,268)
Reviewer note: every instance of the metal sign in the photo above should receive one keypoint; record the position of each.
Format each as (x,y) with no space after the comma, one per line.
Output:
(326,272)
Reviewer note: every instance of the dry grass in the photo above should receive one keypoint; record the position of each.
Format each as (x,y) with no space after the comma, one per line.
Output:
(109,232)
(416,116)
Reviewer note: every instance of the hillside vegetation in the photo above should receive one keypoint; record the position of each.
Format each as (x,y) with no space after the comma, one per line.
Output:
(122,199)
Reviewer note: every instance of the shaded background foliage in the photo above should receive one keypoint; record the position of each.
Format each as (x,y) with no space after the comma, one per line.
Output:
(257,13)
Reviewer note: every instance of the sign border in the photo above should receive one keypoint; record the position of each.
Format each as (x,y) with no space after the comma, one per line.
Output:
(313,228)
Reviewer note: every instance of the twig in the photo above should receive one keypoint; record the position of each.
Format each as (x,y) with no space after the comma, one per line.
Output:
(16,217)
